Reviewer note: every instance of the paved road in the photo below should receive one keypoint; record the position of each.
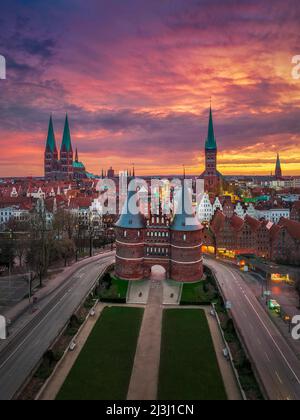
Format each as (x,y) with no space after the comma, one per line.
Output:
(277,365)
(22,354)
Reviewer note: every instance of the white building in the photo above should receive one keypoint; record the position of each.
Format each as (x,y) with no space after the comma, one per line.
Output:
(217,205)
(36,193)
(290,198)
(5,215)
(273,215)
(251,211)
(239,210)
(205,209)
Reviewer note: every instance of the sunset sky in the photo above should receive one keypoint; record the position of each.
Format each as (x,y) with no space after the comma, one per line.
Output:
(136,77)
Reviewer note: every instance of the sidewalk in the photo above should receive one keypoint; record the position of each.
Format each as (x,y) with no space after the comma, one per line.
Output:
(20,314)
(230,383)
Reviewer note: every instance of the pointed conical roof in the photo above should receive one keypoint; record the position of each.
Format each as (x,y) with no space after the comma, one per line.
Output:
(128,219)
(210,143)
(76,155)
(185,219)
(66,141)
(51,143)
(278,163)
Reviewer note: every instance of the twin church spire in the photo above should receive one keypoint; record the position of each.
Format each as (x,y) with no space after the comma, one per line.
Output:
(63,166)
(66,144)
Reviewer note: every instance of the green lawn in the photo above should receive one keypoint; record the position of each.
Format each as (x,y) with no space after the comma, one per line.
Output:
(121,286)
(198,293)
(103,368)
(117,290)
(188,366)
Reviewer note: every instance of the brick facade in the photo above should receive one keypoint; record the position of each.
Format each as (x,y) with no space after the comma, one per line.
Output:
(278,242)
(157,241)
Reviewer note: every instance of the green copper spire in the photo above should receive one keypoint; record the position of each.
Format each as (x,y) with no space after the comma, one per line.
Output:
(278,163)
(51,143)
(278,171)
(66,141)
(210,143)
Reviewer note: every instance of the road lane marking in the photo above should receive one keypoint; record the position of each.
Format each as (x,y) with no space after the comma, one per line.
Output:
(278,377)
(31,332)
(268,332)
(268,358)
(34,329)
(276,345)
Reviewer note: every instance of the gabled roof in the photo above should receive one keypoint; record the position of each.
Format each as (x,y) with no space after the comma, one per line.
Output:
(218,221)
(236,222)
(80,202)
(292,227)
(296,205)
(253,223)
(274,231)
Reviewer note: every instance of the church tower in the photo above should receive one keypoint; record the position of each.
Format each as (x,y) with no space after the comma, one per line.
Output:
(66,152)
(51,154)
(211,174)
(278,171)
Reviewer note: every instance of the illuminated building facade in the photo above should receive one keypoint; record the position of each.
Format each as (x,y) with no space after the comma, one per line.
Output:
(175,244)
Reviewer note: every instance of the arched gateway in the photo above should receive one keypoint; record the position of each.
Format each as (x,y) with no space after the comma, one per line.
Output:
(173,244)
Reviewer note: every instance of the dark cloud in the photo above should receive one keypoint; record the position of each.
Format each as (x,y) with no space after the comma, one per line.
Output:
(136,77)
(43,48)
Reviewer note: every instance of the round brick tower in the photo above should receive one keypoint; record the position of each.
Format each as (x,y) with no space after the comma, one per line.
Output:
(130,242)
(186,242)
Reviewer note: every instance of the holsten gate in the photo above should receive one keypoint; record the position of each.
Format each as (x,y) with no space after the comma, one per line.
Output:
(174,243)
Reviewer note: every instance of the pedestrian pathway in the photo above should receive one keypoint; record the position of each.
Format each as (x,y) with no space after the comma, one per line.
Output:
(232,389)
(138,292)
(171,292)
(144,378)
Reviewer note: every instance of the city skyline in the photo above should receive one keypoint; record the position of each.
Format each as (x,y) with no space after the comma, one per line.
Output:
(140,92)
